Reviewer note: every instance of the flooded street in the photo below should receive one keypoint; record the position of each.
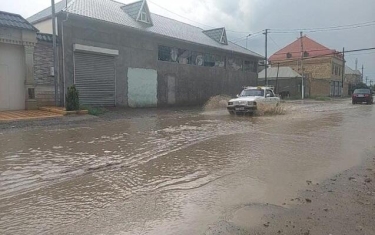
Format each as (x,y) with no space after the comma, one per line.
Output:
(173,172)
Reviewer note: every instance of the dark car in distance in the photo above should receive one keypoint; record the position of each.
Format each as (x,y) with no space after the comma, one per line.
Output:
(362,96)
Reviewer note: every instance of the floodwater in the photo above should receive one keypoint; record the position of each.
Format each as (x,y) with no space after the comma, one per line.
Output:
(174,172)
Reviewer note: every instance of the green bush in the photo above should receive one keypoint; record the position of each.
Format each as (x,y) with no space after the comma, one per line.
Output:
(72,99)
(96,111)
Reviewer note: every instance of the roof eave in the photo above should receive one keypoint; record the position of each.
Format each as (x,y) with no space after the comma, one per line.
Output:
(46,17)
(160,35)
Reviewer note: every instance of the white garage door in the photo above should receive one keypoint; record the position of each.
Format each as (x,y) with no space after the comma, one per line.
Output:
(12,77)
(95,79)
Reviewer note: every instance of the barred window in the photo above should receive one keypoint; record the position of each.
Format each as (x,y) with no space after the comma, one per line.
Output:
(164,53)
(250,66)
(235,64)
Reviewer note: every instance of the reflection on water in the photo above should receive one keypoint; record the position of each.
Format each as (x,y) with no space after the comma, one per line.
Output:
(121,173)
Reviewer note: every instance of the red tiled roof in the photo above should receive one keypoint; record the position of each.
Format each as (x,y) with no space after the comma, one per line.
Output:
(313,49)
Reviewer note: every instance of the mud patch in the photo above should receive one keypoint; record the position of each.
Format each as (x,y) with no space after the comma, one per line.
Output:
(252,215)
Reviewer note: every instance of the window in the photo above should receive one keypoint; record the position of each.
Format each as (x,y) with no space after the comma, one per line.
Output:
(288,55)
(219,61)
(305,54)
(177,55)
(223,40)
(333,69)
(144,17)
(183,56)
(209,60)
(235,64)
(164,53)
(249,66)
(252,92)
(197,58)
(270,93)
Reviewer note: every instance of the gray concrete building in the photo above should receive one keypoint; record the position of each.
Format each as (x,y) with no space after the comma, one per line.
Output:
(286,81)
(118,54)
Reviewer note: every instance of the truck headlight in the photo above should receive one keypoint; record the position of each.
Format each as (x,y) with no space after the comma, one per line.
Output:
(230,103)
(251,103)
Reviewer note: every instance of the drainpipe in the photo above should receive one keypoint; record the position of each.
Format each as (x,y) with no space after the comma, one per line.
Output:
(63,53)
(55,62)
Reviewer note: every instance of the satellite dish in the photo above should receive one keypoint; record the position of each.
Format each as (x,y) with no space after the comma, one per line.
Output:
(199,61)
(174,54)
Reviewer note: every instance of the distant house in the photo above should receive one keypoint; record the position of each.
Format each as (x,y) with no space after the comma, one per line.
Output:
(323,67)
(352,76)
(285,80)
(123,55)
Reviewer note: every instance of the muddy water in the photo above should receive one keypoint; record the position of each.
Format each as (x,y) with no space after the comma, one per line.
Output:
(185,172)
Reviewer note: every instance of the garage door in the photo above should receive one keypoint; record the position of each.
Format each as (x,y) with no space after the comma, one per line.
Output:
(12,77)
(95,79)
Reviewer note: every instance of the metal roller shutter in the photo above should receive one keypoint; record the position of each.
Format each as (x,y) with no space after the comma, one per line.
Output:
(95,79)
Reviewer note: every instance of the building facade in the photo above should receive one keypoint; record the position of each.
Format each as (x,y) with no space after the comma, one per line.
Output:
(17,45)
(43,74)
(323,67)
(286,81)
(117,54)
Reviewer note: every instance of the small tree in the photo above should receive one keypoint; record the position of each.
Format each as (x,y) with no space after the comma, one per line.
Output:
(72,99)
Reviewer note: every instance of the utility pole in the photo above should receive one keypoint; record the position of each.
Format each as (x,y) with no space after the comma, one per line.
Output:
(55,62)
(277,78)
(366,79)
(303,85)
(356,64)
(343,71)
(362,73)
(266,58)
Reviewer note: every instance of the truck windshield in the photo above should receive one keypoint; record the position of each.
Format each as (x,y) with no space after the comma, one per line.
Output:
(253,92)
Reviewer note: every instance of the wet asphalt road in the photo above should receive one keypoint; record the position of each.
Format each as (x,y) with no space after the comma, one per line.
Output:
(173,172)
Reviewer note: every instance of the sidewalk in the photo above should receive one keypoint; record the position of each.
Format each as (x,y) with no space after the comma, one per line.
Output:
(7,116)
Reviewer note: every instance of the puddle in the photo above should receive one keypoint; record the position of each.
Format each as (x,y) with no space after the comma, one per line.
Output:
(197,165)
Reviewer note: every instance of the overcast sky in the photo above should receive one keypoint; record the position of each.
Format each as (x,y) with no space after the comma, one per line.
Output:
(243,17)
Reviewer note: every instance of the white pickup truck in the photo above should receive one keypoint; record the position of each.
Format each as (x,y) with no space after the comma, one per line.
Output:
(250,97)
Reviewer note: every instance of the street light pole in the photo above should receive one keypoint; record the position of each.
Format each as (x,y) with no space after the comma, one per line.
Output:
(247,38)
(302,69)
(343,71)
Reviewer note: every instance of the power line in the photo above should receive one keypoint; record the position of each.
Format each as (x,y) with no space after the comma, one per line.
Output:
(362,53)
(277,45)
(243,38)
(320,30)
(329,27)
(363,49)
